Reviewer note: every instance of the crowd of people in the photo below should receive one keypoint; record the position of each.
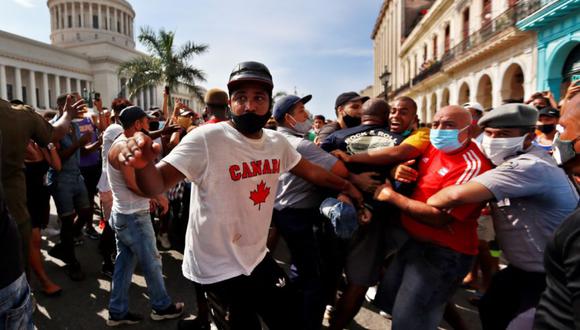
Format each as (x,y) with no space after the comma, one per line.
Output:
(373,205)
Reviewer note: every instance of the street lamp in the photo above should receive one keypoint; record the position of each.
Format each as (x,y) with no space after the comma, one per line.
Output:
(385,78)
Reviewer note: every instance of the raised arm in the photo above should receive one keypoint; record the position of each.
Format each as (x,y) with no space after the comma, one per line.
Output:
(471,192)
(71,110)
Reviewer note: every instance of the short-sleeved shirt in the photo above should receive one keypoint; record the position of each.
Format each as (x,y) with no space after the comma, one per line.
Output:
(86,125)
(362,139)
(438,170)
(19,124)
(70,170)
(419,139)
(109,135)
(232,197)
(293,191)
(533,195)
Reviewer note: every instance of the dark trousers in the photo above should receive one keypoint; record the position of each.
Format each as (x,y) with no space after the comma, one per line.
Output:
(307,238)
(511,292)
(265,292)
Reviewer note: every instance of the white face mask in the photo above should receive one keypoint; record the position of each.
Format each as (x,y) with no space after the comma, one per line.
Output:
(302,127)
(498,149)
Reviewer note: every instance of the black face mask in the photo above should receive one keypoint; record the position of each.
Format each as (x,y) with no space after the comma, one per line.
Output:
(250,122)
(546,129)
(351,121)
(153,125)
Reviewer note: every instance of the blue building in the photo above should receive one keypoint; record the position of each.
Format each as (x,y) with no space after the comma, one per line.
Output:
(557,24)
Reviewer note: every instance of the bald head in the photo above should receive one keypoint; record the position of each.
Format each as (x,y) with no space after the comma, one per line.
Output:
(452,115)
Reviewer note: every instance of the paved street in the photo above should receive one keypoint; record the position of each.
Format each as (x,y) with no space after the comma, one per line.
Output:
(83,305)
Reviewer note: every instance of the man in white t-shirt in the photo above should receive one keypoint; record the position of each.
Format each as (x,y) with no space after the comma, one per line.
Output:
(234,167)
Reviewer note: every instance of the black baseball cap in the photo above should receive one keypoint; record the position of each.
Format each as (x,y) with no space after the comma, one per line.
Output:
(550,112)
(130,115)
(344,98)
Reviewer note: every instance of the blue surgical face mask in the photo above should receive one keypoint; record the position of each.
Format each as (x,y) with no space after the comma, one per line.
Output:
(446,140)
(302,127)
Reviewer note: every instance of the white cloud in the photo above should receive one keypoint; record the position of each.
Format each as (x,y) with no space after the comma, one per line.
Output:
(26,3)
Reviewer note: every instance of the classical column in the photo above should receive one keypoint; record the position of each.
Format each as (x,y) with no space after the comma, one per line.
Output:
(45,90)
(82,12)
(141,101)
(100,16)
(78,86)
(147,103)
(123,23)
(56,86)
(32,89)
(91,15)
(67,85)
(18,83)
(65,15)
(3,82)
(74,14)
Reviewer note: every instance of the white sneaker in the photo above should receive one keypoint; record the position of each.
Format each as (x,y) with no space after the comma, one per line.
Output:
(328,312)
(371,293)
(164,241)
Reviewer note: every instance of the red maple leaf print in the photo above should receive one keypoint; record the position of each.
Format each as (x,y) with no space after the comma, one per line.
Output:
(259,195)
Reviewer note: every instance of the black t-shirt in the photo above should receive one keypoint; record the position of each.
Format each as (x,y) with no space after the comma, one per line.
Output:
(361,139)
(559,306)
(11,266)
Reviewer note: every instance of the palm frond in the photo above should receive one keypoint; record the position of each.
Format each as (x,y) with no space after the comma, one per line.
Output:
(189,49)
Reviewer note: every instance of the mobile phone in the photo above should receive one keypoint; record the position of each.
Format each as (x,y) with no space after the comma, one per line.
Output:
(574,78)
(166,90)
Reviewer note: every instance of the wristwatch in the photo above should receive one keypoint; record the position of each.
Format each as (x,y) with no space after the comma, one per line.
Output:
(50,146)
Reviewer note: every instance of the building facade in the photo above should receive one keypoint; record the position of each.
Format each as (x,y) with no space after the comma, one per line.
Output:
(452,52)
(557,24)
(89,40)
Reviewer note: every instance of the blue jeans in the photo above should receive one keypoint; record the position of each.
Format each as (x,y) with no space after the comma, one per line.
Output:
(136,242)
(419,282)
(16,305)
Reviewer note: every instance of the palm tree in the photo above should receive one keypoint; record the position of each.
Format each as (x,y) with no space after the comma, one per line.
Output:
(165,65)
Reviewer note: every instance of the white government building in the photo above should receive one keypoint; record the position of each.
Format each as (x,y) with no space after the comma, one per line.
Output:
(89,39)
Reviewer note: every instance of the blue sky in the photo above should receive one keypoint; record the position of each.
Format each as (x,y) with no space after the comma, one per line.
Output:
(319,47)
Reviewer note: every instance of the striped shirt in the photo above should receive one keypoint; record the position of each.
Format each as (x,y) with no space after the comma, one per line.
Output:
(438,170)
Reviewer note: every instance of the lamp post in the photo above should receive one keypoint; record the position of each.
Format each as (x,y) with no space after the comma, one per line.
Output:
(385,78)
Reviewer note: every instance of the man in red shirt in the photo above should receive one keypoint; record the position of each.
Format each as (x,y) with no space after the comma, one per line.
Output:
(442,243)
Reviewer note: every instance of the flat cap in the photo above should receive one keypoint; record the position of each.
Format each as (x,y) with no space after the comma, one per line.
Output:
(510,115)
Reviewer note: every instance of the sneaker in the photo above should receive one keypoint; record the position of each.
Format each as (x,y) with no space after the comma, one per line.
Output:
(172,312)
(328,312)
(164,241)
(129,318)
(91,233)
(108,269)
(371,293)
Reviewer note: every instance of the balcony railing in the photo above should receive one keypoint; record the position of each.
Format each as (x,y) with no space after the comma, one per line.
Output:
(494,27)
(507,19)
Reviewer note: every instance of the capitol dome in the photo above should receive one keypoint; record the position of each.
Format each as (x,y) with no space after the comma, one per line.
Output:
(77,23)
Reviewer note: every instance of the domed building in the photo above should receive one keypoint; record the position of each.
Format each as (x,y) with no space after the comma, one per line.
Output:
(89,39)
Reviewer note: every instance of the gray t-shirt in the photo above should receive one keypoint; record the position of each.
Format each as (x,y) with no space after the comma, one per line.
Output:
(533,196)
(293,191)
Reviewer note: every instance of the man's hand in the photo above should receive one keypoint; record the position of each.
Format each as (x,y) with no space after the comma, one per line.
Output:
(405,173)
(364,216)
(341,155)
(138,151)
(170,129)
(76,109)
(366,181)
(384,192)
(351,191)
(162,203)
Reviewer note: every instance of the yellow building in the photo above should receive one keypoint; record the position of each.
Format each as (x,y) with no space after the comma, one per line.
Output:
(451,52)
